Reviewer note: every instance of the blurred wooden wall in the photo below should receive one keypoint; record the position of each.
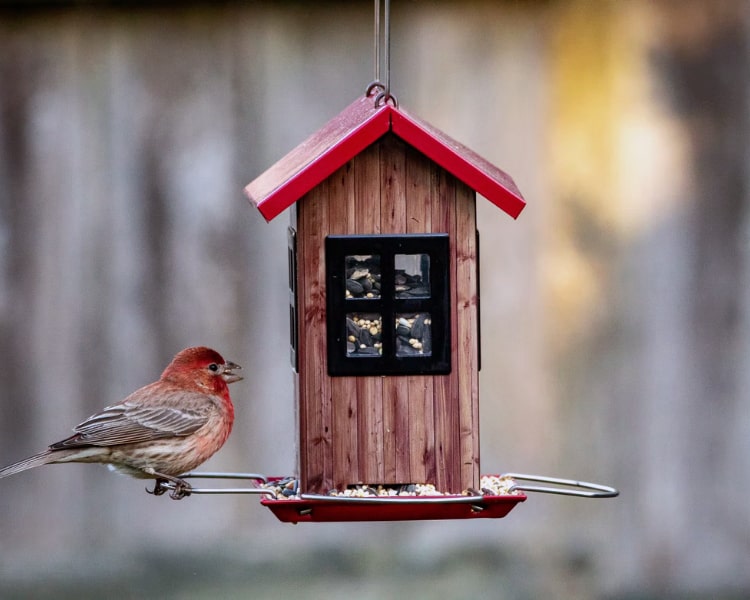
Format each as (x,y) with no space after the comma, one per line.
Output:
(614,311)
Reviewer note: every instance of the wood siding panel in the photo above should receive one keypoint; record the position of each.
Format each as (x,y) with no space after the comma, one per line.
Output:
(315,391)
(395,389)
(345,459)
(369,389)
(447,449)
(421,441)
(467,357)
(300,381)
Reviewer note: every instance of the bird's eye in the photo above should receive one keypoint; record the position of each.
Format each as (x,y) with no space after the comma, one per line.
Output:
(213,367)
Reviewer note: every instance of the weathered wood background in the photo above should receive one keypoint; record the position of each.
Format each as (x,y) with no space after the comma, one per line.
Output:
(615,330)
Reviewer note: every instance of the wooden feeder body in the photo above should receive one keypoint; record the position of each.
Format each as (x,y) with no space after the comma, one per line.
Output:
(390,429)
(379,171)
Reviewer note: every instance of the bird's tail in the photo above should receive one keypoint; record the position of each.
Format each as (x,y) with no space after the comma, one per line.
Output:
(43,458)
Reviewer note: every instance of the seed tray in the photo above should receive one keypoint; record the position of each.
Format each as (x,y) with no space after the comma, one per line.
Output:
(326,509)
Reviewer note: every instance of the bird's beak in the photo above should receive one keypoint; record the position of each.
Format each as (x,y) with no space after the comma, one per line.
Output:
(228,375)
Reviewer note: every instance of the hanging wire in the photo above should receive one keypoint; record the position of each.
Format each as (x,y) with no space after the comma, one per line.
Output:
(376,84)
(382,91)
(387,52)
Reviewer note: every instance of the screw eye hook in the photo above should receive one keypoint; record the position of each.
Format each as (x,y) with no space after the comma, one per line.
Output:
(374,88)
(385,98)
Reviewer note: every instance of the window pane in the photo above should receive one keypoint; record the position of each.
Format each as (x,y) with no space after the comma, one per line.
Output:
(364,334)
(412,275)
(413,334)
(362,276)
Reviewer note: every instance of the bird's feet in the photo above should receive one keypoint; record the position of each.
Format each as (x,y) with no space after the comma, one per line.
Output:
(160,486)
(182,489)
(179,487)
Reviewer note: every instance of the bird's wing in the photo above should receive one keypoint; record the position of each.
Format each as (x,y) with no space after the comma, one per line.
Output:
(128,423)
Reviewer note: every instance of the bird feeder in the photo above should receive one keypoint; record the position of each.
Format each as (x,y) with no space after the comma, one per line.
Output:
(385,300)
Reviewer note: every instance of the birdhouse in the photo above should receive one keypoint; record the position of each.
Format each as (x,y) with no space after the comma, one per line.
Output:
(384,298)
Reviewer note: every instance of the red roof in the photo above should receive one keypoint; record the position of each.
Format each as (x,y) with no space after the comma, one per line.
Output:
(353,130)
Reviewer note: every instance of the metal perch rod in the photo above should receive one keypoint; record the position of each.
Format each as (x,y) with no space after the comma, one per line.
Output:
(584,489)
(219,475)
(596,490)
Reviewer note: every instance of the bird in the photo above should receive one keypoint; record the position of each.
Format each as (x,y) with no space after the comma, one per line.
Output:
(161,431)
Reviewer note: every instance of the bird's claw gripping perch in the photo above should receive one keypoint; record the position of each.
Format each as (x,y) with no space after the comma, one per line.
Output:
(179,488)
(160,486)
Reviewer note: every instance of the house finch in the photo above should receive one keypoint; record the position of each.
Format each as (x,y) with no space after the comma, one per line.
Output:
(160,431)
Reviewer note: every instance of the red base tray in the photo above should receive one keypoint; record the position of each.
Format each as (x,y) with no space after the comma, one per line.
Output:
(326,509)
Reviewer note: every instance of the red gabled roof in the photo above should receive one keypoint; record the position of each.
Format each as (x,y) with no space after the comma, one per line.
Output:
(353,130)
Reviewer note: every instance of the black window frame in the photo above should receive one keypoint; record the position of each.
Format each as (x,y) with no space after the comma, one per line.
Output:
(437,247)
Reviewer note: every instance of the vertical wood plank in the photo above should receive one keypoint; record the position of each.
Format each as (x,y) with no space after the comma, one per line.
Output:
(303,397)
(316,391)
(466,358)
(369,390)
(447,425)
(421,440)
(395,389)
(299,278)
(345,471)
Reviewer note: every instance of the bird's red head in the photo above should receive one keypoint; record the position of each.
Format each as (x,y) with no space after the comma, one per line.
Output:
(202,367)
